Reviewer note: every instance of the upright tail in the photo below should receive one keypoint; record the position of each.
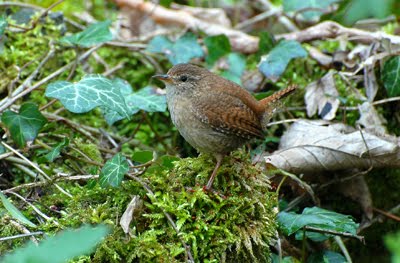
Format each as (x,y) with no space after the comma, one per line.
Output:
(271,103)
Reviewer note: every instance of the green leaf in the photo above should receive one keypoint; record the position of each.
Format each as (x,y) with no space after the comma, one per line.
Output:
(298,5)
(392,242)
(145,99)
(275,259)
(354,10)
(25,125)
(266,43)
(113,171)
(316,217)
(90,92)
(326,256)
(182,51)
(391,76)
(94,34)
(55,152)
(275,62)
(61,248)
(14,212)
(237,65)
(142,156)
(217,46)
(2,149)
(125,89)
(3,25)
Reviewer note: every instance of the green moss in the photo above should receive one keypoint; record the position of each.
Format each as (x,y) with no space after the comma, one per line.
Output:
(233,224)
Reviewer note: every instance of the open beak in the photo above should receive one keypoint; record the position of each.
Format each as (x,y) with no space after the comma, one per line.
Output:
(163,77)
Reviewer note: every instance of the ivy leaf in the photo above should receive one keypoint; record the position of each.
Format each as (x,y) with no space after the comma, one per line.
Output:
(145,99)
(298,5)
(3,25)
(113,171)
(316,217)
(55,152)
(391,76)
(181,51)
(125,89)
(266,43)
(237,65)
(217,46)
(355,10)
(94,34)
(14,212)
(63,247)
(142,156)
(326,256)
(90,92)
(25,125)
(275,62)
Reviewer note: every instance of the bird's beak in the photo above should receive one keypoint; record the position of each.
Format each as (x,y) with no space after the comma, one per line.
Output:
(163,77)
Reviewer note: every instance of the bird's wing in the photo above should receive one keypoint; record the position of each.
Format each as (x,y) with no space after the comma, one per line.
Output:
(228,114)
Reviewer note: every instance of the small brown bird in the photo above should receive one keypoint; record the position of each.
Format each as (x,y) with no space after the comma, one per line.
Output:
(213,114)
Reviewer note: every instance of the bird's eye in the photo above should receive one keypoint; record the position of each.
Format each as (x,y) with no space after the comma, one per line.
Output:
(183,78)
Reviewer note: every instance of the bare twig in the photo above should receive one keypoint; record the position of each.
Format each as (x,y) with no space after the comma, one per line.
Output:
(302,184)
(29,79)
(333,232)
(343,248)
(35,22)
(387,214)
(24,230)
(47,218)
(43,183)
(9,101)
(21,236)
(35,167)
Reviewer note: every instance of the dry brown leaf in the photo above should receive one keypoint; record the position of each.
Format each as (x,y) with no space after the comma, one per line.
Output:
(371,120)
(212,15)
(314,147)
(322,95)
(357,189)
(133,207)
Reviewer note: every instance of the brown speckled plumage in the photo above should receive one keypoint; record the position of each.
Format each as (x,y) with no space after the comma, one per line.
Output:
(213,114)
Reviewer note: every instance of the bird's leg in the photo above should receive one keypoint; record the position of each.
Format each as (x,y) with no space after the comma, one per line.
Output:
(214,173)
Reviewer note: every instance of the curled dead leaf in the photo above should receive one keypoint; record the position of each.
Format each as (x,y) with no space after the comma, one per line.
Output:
(131,210)
(314,147)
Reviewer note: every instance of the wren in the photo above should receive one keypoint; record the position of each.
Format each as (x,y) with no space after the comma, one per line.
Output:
(213,114)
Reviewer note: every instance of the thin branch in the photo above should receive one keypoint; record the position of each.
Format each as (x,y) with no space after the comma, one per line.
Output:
(47,218)
(24,230)
(333,232)
(21,236)
(35,167)
(387,214)
(343,248)
(9,101)
(36,21)
(44,183)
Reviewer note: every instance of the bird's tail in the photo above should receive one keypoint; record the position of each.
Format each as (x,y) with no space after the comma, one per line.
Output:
(272,103)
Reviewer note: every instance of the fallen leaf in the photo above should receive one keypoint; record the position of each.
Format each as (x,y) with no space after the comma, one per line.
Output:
(133,207)
(371,120)
(322,95)
(314,147)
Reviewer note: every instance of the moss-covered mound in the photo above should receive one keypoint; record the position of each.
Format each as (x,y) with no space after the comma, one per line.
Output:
(234,223)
